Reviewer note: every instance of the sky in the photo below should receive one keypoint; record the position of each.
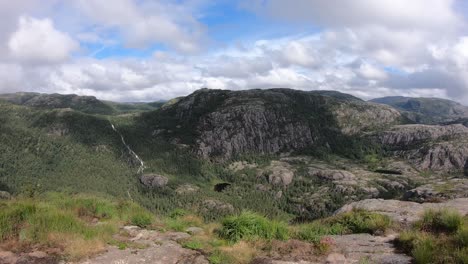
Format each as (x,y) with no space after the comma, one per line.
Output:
(149,50)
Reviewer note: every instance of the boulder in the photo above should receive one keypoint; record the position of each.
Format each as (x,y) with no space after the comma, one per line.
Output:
(187,189)
(280,173)
(217,207)
(154,180)
(5,195)
(193,230)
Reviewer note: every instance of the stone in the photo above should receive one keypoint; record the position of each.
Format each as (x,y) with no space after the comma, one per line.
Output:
(5,195)
(280,173)
(335,258)
(216,206)
(154,180)
(187,189)
(193,230)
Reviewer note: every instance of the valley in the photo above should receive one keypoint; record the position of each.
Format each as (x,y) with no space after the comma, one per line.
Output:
(295,161)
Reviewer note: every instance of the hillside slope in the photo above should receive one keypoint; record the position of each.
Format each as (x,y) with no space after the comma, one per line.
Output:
(426,110)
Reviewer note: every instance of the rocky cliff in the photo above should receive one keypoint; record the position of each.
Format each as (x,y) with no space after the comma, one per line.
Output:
(220,123)
(438,148)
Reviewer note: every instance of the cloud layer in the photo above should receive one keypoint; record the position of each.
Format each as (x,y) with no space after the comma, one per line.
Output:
(363,47)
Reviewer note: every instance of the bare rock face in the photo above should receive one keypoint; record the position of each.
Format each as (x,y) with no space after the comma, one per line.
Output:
(403,211)
(154,180)
(154,247)
(333,175)
(442,190)
(437,148)
(406,135)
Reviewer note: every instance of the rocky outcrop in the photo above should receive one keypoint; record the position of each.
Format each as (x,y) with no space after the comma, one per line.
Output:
(153,247)
(5,195)
(216,207)
(407,135)
(448,156)
(225,124)
(187,189)
(441,190)
(153,180)
(345,249)
(436,148)
(404,211)
(280,173)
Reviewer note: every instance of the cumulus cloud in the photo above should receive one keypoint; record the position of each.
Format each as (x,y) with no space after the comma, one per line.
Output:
(37,40)
(364,47)
(144,23)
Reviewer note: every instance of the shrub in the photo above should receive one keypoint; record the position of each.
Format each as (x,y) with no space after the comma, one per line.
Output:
(462,237)
(446,221)
(361,221)
(250,225)
(424,250)
(142,219)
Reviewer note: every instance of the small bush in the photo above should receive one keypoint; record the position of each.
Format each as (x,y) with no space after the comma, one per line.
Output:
(445,221)
(360,221)
(142,219)
(249,225)
(462,237)
(424,251)
(176,213)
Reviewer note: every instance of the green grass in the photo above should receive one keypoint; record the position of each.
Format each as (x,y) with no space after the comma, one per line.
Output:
(314,231)
(67,221)
(441,236)
(250,226)
(361,221)
(438,221)
(193,244)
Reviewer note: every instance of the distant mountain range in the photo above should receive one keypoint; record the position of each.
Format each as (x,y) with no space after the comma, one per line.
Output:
(426,110)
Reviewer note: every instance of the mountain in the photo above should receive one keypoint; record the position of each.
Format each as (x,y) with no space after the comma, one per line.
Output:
(226,124)
(280,152)
(85,104)
(426,110)
(287,155)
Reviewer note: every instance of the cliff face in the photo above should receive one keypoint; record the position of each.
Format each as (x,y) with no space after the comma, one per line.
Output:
(438,148)
(224,124)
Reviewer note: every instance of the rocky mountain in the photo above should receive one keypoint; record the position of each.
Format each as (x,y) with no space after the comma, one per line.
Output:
(429,147)
(226,124)
(426,110)
(85,104)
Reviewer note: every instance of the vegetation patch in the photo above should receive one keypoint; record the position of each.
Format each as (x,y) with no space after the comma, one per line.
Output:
(439,237)
(251,226)
(67,222)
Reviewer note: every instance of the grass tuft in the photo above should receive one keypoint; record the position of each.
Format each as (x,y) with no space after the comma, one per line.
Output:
(251,226)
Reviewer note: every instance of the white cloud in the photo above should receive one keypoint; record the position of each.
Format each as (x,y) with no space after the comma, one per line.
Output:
(144,23)
(37,40)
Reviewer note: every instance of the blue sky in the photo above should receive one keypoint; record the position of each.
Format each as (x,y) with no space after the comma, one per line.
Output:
(145,50)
